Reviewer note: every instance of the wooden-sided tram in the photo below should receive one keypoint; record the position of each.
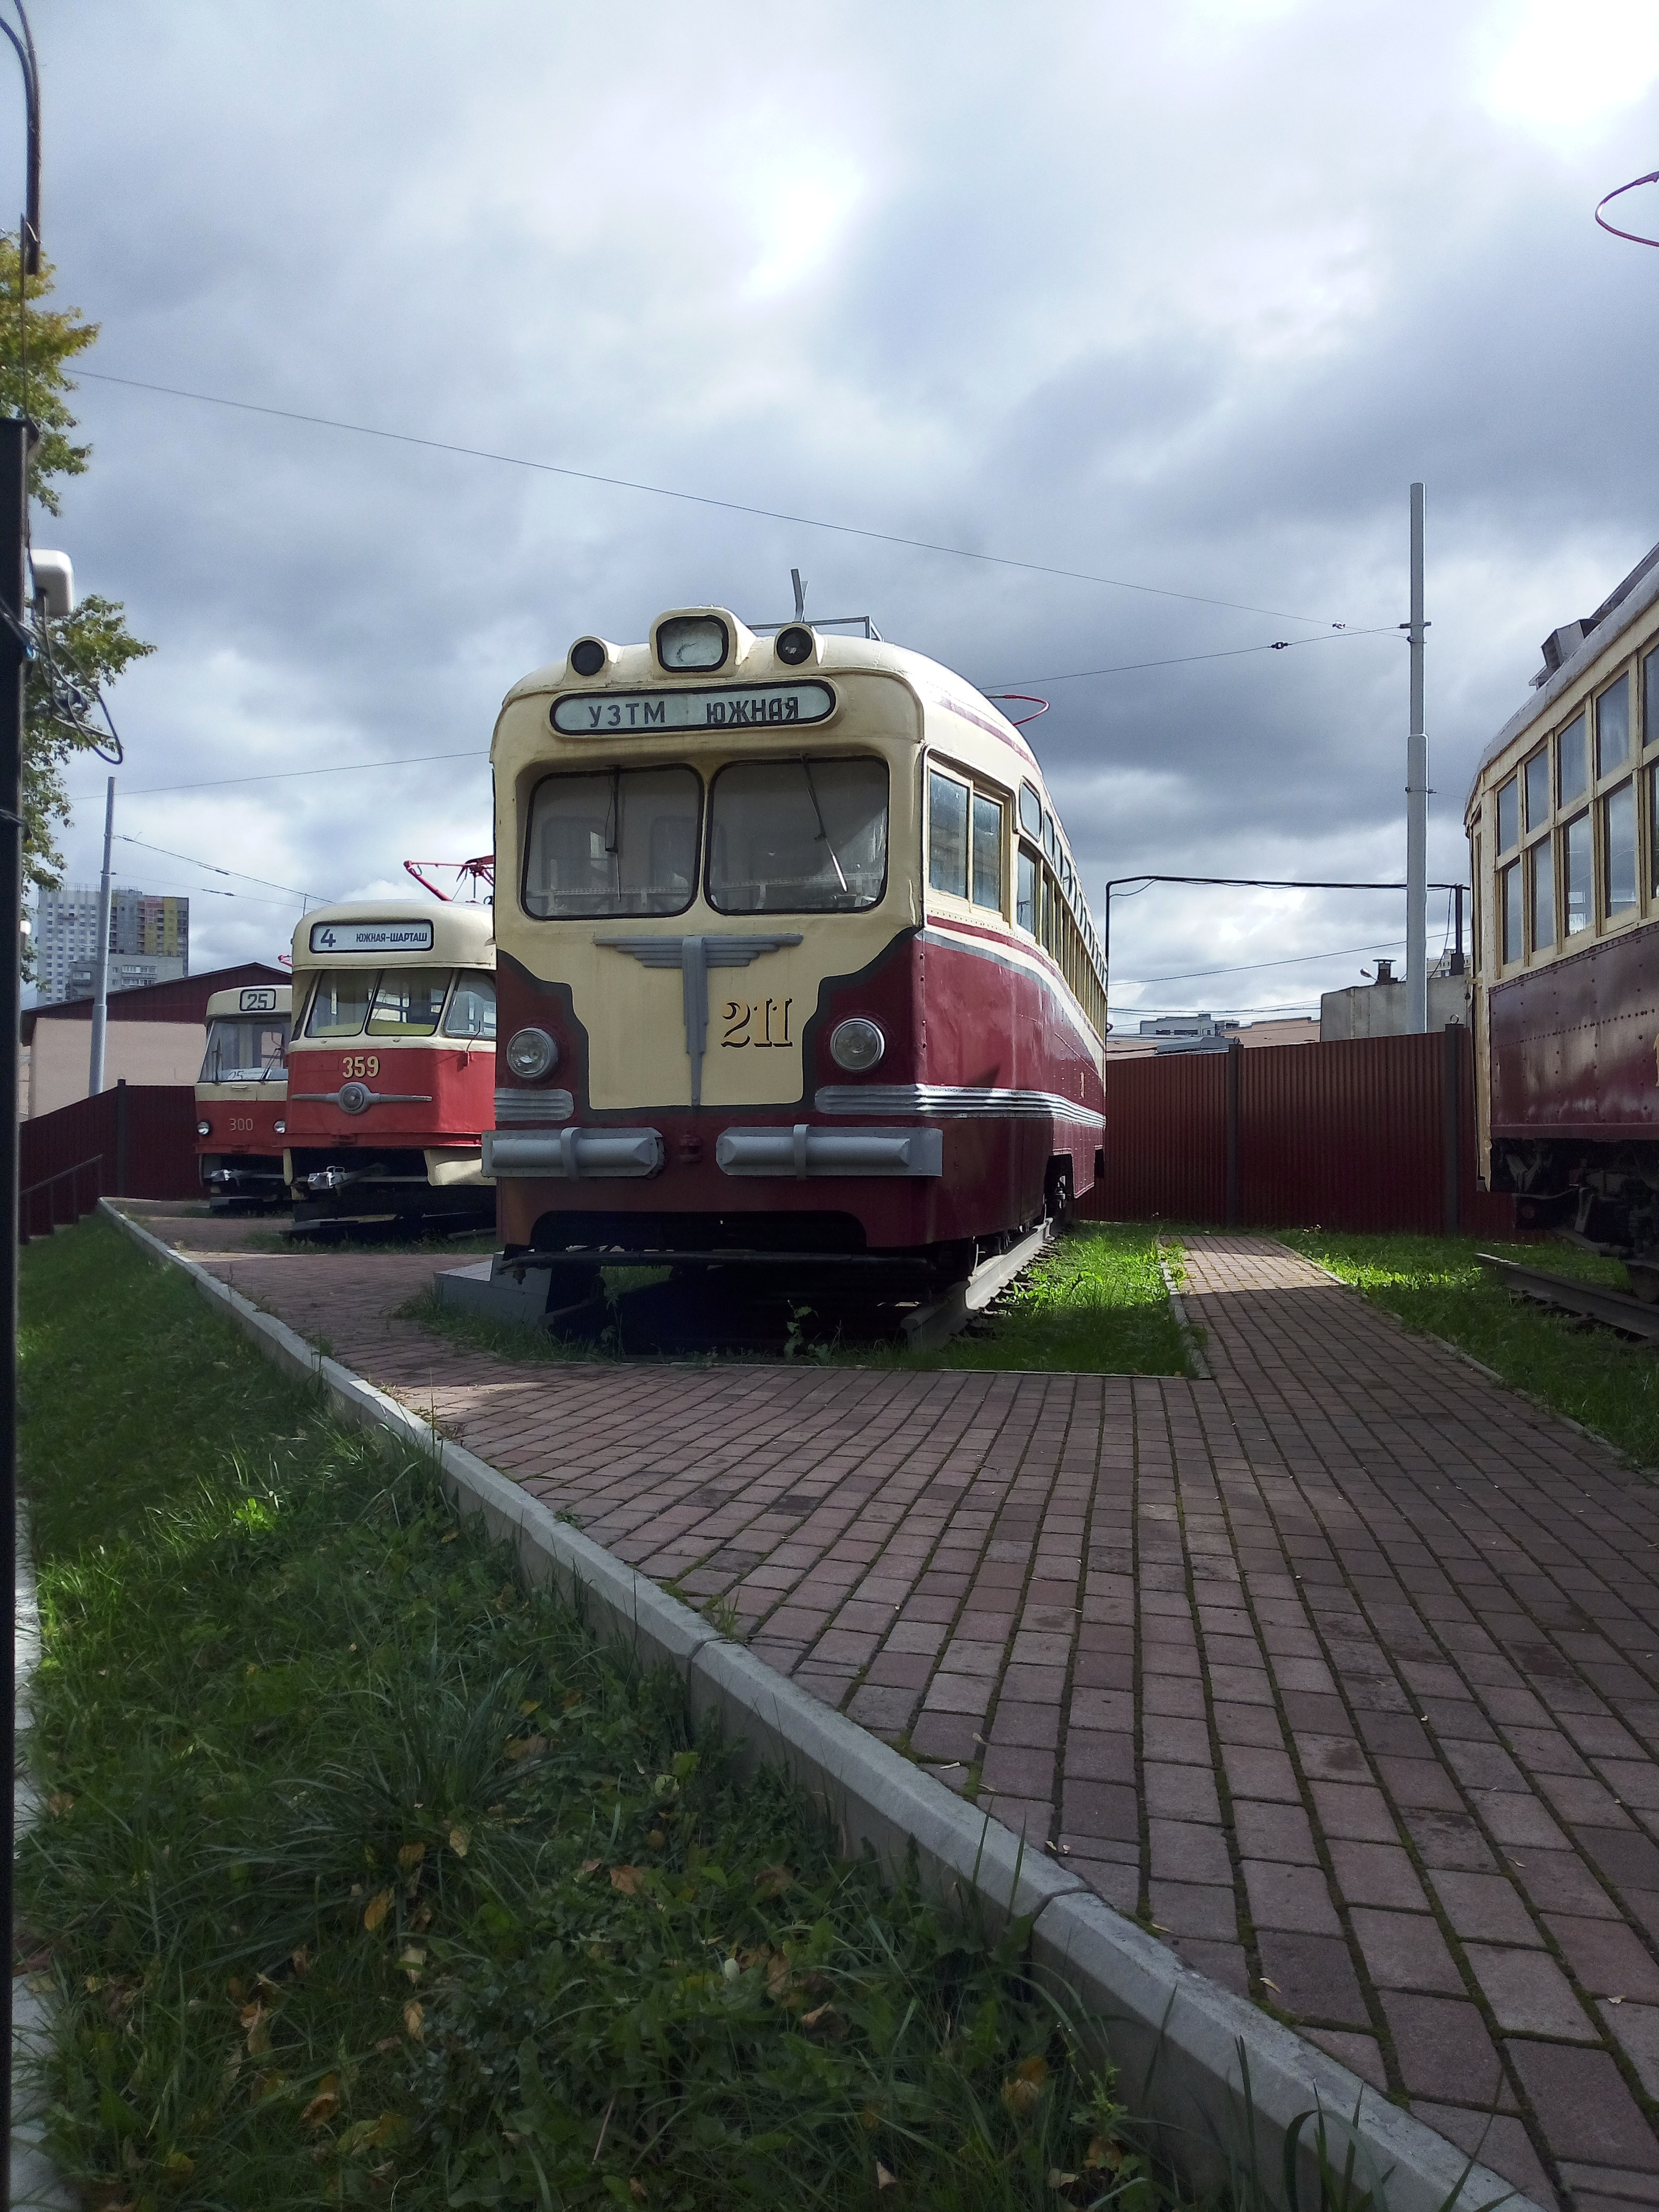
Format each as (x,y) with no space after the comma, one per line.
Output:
(795,972)
(391,1067)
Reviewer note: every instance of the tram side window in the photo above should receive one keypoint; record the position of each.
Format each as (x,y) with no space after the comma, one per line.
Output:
(947,834)
(1025,888)
(408,1002)
(1537,775)
(1575,868)
(616,843)
(1030,807)
(1542,865)
(987,852)
(798,836)
(1619,847)
(1573,767)
(339,1005)
(472,1009)
(1509,895)
(1612,728)
(1650,700)
(1509,814)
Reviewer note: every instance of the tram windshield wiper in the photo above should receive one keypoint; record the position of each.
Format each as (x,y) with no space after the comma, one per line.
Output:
(823,834)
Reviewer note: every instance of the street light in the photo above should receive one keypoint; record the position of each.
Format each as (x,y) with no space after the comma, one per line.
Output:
(16,438)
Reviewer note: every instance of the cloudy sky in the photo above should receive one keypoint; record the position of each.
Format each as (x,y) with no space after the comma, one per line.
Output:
(1182,298)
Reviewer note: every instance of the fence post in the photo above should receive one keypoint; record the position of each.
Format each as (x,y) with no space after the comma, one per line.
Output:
(1235,1060)
(1451,1126)
(120,1190)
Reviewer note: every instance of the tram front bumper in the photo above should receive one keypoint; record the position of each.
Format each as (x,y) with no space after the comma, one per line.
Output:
(804,1152)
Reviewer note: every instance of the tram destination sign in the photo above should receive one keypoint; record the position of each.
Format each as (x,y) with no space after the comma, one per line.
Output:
(733,707)
(371,936)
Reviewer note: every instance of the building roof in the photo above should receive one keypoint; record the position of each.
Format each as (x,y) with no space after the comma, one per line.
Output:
(184,999)
(1296,1030)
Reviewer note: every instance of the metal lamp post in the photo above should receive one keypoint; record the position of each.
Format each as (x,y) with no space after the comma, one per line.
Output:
(16,438)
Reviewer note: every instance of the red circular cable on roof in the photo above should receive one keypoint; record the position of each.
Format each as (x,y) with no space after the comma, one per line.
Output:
(1636,237)
(1027,699)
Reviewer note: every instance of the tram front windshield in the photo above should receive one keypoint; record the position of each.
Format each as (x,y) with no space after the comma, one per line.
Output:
(402,1002)
(245,1051)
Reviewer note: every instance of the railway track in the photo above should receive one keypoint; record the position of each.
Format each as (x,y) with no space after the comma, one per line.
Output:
(1612,1308)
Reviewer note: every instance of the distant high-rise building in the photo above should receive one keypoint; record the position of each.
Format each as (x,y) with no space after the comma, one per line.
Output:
(148,940)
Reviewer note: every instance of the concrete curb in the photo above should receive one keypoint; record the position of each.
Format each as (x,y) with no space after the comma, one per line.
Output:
(1206,2068)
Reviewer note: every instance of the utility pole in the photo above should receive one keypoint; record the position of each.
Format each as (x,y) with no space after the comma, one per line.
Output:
(100,966)
(1416,801)
(14,443)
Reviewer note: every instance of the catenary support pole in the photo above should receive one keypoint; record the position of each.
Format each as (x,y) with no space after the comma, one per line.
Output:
(100,963)
(13,492)
(1417,802)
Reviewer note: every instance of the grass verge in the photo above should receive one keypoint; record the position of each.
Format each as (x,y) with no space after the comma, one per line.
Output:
(1096,1304)
(1435,1286)
(370,1878)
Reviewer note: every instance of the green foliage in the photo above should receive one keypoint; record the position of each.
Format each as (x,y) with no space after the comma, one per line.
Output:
(1435,1286)
(86,651)
(370,1877)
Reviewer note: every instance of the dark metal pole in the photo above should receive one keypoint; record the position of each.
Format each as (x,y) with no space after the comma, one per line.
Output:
(13,501)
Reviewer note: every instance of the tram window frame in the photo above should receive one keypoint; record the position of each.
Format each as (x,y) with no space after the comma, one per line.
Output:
(408,1032)
(1031,814)
(1512,914)
(1649,699)
(470,979)
(1623,790)
(1028,869)
(987,814)
(1535,781)
(614,908)
(982,794)
(1509,805)
(1617,764)
(814,768)
(1577,847)
(1571,744)
(371,977)
(1476,934)
(950,870)
(1542,852)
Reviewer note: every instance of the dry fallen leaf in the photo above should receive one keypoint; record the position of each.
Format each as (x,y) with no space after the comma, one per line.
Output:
(1103,2151)
(59,1802)
(526,1747)
(630,1880)
(884,2179)
(177,2166)
(256,2020)
(591,1866)
(410,1855)
(458,1840)
(1059,2180)
(1021,2091)
(324,2105)
(772,1881)
(413,2017)
(377,1909)
(819,2012)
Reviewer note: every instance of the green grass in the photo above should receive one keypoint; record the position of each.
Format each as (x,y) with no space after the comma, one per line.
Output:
(369,1877)
(1094,1304)
(1434,1285)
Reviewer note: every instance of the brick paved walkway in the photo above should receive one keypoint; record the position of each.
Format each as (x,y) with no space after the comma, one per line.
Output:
(1342,1668)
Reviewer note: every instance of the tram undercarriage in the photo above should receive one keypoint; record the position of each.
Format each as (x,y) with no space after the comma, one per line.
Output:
(1607,1194)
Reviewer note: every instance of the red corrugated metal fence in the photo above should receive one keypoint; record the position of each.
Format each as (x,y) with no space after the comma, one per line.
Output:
(138,1140)
(1374,1134)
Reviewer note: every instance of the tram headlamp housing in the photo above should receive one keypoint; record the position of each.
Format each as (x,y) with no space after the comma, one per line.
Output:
(699,642)
(530,1055)
(795,644)
(857,1044)
(204,1128)
(588,656)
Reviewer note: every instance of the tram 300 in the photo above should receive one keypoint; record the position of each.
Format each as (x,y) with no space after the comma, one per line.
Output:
(794,968)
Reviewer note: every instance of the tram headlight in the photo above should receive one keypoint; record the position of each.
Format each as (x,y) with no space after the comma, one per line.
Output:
(856,1044)
(204,1128)
(692,641)
(795,645)
(280,1128)
(531,1053)
(588,656)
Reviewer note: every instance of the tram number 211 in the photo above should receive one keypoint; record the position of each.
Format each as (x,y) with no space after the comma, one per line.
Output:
(761,1022)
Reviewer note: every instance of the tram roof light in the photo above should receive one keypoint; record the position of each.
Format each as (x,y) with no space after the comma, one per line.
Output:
(692,641)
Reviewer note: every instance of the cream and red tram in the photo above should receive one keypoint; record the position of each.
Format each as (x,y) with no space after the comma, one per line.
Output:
(241,1097)
(392,1068)
(793,958)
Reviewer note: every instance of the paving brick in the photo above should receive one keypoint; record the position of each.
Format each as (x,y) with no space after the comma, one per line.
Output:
(1497,2141)
(1313,1976)
(1406,1951)
(1441,2041)
(1583,2107)
(1187,1908)
(1377,1874)
(1290,1897)
(1181,1793)
(1529,1993)
(1187,1850)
